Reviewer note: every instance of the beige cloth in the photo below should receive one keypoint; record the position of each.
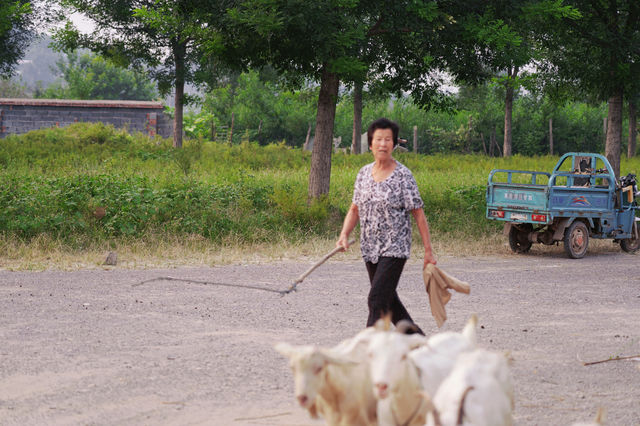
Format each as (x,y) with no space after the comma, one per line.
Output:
(437,282)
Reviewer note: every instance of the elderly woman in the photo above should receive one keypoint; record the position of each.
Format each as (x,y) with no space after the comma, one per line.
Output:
(385,196)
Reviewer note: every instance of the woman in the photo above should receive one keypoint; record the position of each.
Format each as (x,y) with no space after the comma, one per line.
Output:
(385,192)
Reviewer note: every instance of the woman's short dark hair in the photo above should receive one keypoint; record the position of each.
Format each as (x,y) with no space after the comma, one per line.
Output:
(383,123)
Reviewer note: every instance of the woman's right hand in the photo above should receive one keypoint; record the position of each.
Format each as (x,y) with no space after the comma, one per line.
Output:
(350,221)
(343,242)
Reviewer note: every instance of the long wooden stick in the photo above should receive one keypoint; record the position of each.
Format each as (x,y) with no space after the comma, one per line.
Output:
(618,358)
(313,268)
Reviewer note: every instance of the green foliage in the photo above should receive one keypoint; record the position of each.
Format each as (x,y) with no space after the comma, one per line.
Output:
(10,88)
(175,42)
(577,126)
(259,103)
(16,31)
(595,49)
(186,156)
(89,76)
(265,110)
(57,181)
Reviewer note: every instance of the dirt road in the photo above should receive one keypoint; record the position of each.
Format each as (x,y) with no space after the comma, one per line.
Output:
(87,347)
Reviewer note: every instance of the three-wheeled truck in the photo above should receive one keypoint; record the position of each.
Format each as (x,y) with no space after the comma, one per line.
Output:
(580,199)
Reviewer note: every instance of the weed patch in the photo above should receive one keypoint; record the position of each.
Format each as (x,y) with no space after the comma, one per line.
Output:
(90,185)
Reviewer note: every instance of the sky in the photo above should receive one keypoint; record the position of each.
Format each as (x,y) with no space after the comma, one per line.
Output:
(81,22)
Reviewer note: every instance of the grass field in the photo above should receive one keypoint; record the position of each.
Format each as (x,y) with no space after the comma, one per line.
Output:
(68,196)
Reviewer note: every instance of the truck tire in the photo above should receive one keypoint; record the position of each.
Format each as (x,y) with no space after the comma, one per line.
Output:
(576,240)
(632,244)
(519,238)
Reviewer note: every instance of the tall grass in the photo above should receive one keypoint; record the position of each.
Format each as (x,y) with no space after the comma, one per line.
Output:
(91,184)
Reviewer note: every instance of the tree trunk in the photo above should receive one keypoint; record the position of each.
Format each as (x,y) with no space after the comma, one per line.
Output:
(633,129)
(614,131)
(491,136)
(320,173)
(551,136)
(231,131)
(469,130)
(508,111)
(306,141)
(484,145)
(495,141)
(179,52)
(415,139)
(357,118)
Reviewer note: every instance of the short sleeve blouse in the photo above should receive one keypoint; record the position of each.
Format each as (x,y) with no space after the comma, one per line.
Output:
(385,212)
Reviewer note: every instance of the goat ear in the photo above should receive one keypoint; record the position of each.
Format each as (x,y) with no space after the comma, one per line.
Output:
(285,349)
(361,339)
(406,327)
(416,340)
(384,323)
(336,359)
(470,330)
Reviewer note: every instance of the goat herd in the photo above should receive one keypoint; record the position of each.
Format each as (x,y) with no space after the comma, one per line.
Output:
(387,376)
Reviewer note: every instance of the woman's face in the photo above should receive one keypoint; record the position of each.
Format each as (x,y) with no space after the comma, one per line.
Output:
(382,144)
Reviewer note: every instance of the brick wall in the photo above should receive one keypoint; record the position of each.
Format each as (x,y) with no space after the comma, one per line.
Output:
(22,115)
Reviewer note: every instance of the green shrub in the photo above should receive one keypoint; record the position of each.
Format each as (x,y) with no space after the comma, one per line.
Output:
(91,182)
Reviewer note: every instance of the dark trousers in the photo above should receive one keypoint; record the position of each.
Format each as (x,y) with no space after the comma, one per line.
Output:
(383,298)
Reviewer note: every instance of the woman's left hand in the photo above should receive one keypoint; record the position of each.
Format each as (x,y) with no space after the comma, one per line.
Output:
(429,258)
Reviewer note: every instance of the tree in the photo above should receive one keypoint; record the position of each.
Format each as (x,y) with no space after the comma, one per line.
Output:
(16,32)
(323,40)
(504,34)
(90,76)
(314,40)
(263,109)
(10,88)
(357,118)
(633,129)
(598,54)
(166,36)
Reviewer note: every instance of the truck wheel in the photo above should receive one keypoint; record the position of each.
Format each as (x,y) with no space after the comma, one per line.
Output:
(519,239)
(631,245)
(576,240)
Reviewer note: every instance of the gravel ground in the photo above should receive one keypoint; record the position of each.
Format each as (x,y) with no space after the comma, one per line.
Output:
(87,347)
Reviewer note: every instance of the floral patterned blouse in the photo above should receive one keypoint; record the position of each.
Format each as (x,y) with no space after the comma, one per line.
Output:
(385,212)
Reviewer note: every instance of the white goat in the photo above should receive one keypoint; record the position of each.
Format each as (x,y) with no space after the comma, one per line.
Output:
(436,359)
(399,371)
(478,392)
(337,389)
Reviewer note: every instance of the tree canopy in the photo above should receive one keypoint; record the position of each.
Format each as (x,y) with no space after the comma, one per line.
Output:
(598,54)
(165,36)
(89,76)
(16,32)
(331,41)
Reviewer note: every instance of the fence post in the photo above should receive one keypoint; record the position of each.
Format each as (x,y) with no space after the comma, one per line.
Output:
(415,139)
(550,135)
